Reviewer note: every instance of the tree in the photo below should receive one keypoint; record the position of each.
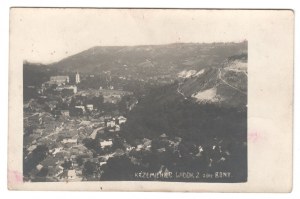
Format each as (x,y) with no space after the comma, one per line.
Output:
(67,164)
(92,144)
(90,170)
(118,143)
(37,155)
(118,168)
(79,160)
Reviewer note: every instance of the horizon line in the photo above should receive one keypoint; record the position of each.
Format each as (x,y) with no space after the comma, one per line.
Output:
(138,45)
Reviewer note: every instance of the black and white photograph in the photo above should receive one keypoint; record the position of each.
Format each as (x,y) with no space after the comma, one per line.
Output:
(129,96)
(146,112)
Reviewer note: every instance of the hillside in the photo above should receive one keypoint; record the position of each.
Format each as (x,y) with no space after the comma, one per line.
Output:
(226,84)
(152,60)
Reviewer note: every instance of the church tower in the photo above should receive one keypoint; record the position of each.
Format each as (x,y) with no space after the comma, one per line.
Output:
(77,78)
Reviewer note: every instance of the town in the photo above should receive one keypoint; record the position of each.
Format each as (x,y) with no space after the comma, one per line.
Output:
(74,131)
(68,129)
(109,120)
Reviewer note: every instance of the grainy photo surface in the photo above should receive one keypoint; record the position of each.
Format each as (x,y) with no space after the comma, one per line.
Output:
(171,112)
(150,100)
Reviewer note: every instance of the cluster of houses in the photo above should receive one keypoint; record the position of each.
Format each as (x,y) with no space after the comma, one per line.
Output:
(113,124)
(62,134)
(61,84)
(113,96)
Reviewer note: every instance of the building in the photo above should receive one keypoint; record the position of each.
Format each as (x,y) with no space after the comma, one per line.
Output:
(69,140)
(61,88)
(71,174)
(39,167)
(77,78)
(90,107)
(81,107)
(48,84)
(122,120)
(65,113)
(31,148)
(131,104)
(60,79)
(117,128)
(106,143)
(110,123)
(111,99)
(54,81)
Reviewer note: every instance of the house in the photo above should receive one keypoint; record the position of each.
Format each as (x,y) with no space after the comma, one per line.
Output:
(146,145)
(161,150)
(117,128)
(111,123)
(113,99)
(52,105)
(90,107)
(119,152)
(71,174)
(58,170)
(56,81)
(139,147)
(65,113)
(49,162)
(81,107)
(128,146)
(122,120)
(60,79)
(56,150)
(106,143)
(39,167)
(69,140)
(131,103)
(55,171)
(31,148)
(73,157)
(49,84)
(71,89)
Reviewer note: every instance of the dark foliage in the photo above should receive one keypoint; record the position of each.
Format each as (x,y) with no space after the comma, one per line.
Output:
(214,127)
(90,171)
(37,155)
(118,168)
(185,119)
(92,144)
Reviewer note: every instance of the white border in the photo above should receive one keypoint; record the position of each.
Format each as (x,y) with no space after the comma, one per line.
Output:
(4,11)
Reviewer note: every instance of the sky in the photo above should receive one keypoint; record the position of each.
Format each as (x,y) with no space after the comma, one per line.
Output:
(49,35)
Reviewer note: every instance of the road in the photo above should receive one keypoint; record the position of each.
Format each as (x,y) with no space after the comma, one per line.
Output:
(56,131)
(181,93)
(94,133)
(220,77)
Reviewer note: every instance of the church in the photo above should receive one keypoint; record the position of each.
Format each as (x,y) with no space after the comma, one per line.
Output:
(77,78)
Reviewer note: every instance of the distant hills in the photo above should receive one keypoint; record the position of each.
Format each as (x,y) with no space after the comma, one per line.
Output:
(149,60)
(206,72)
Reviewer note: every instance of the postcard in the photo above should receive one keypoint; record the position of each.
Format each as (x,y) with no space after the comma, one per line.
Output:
(196,100)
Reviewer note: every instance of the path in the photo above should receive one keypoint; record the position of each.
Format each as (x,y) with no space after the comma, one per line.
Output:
(94,133)
(220,77)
